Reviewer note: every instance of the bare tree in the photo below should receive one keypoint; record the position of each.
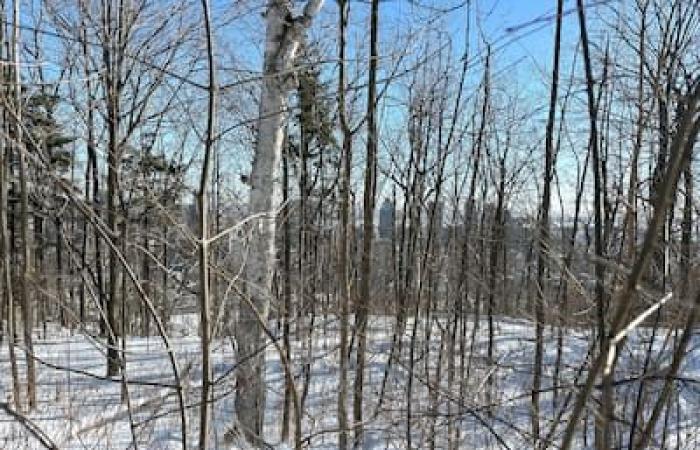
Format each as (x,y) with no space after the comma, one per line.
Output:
(344,235)
(544,230)
(361,312)
(7,280)
(284,34)
(25,292)
(203,200)
(685,137)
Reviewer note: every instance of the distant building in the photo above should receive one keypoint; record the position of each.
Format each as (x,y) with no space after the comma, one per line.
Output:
(190,214)
(386,220)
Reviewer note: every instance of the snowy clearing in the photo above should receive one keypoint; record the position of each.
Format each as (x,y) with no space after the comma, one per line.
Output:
(80,409)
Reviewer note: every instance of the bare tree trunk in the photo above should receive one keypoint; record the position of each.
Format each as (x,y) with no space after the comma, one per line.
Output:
(563,295)
(145,273)
(83,249)
(92,181)
(344,235)
(497,236)
(544,231)
(283,37)
(631,216)
(470,211)
(414,298)
(60,289)
(286,294)
(112,63)
(8,296)
(305,266)
(203,200)
(42,311)
(25,291)
(368,227)
(126,400)
(602,432)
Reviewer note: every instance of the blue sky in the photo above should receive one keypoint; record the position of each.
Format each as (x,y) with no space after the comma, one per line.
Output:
(520,32)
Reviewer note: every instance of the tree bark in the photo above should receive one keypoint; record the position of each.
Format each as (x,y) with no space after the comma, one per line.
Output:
(283,37)
(544,231)
(112,63)
(344,235)
(25,290)
(203,200)
(368,227)
(7,264)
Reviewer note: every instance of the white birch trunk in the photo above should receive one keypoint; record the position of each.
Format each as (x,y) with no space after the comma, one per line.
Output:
(283,36)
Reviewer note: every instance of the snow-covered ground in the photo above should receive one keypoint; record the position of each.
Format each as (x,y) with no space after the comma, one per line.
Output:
(80,409)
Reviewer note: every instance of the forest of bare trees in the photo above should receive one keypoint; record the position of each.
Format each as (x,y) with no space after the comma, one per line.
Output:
(349,224)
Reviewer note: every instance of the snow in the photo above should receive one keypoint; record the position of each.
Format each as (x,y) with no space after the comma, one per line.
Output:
(80,408)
